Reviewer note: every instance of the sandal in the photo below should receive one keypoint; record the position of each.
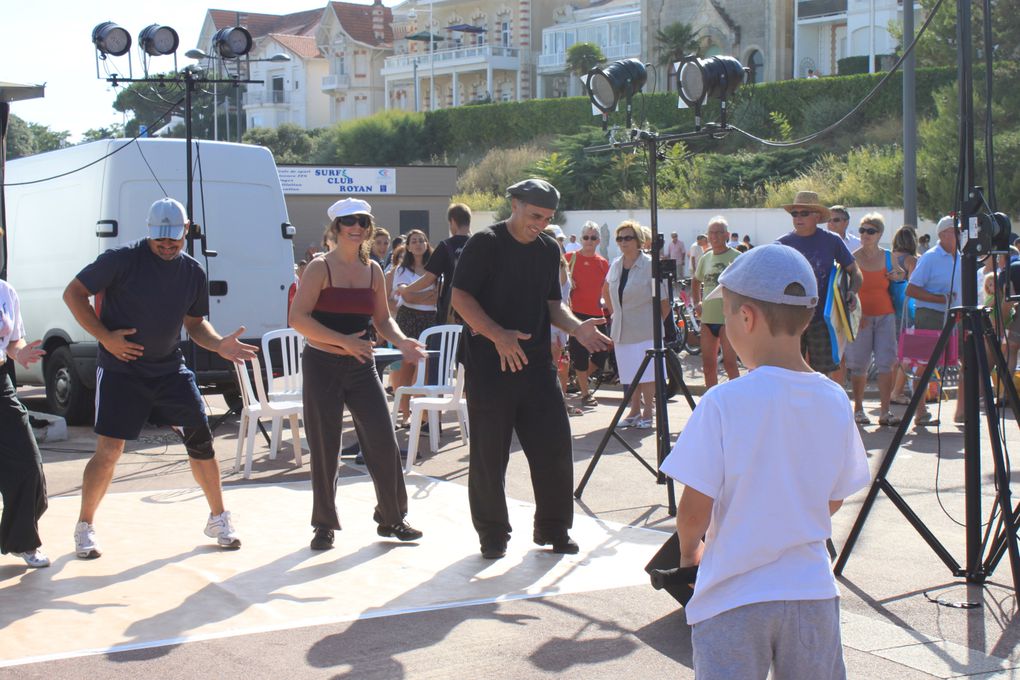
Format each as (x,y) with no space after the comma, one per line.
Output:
(889,420)
(574,411)
(589,400)
(900,399)
(925,419)
(861,418)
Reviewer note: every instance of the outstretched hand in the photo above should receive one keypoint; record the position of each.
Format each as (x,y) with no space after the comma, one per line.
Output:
(232,349)
(29,354)
(511,355)
(590,337)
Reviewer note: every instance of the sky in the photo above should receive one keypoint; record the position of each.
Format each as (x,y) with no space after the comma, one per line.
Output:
(51,43)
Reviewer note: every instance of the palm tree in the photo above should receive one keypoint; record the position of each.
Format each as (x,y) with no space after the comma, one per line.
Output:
(675,42)
(583,57)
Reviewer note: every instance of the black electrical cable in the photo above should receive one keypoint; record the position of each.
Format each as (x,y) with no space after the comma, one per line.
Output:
(101,158)
(871,95)
(151,171)
(989,156)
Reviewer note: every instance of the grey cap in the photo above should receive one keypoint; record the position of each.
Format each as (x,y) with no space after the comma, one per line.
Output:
(763,273)
(536,192)
(167,219)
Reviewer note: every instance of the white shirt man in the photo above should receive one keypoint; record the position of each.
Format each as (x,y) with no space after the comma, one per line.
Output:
(697,250)
(676,250)
(572,245)
(839,220)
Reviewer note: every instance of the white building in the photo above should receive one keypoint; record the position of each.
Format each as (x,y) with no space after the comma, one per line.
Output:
(290,93)
(614,26)
(829,30)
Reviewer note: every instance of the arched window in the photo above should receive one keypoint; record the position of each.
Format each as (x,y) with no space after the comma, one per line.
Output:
(756,63)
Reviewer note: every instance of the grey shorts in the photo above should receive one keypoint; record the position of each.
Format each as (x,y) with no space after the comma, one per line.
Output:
(798,638)
(877,336)
(928,319)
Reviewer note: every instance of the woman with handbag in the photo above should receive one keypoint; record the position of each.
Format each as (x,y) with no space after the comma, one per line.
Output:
(877,334)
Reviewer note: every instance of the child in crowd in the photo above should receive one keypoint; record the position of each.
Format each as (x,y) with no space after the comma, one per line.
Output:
(762,494)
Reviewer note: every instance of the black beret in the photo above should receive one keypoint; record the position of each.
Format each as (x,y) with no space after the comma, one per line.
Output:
(536,192)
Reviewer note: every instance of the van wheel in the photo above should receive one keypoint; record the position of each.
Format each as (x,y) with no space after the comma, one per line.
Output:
(66,395)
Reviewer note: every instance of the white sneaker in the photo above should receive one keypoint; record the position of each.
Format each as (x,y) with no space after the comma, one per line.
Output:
(643,424)
(629,421)
(85,545)
(34,558)
(220,528)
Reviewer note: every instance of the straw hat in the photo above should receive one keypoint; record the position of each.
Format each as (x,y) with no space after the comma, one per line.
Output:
(808,200)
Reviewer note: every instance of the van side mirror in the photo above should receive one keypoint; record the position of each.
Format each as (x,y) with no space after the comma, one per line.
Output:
(288,230)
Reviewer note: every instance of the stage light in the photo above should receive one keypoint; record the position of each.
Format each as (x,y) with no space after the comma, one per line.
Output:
(158,40)
(109,38)
(232,43)
(619,80)
(714,78)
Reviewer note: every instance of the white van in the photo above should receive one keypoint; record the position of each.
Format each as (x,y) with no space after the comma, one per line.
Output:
(95,197)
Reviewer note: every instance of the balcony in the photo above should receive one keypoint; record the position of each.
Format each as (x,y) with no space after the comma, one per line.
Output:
(336,81)
(557,63)
(810,9)
(454,59)
(267,98)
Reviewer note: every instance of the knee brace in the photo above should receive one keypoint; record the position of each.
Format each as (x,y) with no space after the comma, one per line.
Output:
(198,441)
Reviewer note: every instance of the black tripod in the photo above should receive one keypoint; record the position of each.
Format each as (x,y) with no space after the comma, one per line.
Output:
(657,354)
(983,552)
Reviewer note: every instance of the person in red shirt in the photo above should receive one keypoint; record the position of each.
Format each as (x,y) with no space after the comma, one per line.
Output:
(588,271)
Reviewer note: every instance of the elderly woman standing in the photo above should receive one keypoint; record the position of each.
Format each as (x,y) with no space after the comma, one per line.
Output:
(877,334)
(628,293)
(341,296)
(22,482)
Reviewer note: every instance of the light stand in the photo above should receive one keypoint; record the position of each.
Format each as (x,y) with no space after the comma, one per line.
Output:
(608,86)
(985,549)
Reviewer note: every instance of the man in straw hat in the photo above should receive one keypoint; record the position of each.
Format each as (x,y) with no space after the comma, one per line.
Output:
(821,248)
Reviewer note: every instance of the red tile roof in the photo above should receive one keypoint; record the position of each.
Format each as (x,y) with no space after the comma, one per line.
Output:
(302,45)
(357,22)
(298,23)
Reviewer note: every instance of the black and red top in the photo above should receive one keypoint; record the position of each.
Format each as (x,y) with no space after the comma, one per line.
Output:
(345,310)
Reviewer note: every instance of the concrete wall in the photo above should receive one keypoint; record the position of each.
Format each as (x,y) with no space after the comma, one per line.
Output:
(763,224)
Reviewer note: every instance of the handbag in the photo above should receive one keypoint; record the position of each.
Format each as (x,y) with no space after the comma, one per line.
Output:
(897,289)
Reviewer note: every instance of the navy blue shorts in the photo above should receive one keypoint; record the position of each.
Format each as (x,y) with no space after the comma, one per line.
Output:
(125,402)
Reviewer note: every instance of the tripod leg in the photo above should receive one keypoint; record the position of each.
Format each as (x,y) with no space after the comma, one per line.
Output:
(894,445)
(628,393)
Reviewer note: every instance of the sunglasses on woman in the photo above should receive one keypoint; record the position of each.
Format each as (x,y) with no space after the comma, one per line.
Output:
(589,238)
(364,221)
(621,239)
(870,231)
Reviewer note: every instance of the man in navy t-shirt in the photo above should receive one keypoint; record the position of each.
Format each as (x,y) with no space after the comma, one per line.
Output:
(442,263)
(822,249)
(146,292)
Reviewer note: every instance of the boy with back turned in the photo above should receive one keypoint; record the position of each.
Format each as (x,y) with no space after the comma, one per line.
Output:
(762,494)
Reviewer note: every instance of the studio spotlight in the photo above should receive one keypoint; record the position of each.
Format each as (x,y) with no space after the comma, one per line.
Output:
(716,77)
(232,43)
(158,40)
(619,80)
(109,38)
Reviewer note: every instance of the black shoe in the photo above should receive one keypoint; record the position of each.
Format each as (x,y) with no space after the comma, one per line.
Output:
(323,539)
(402,531)
(561,543)
(494,549)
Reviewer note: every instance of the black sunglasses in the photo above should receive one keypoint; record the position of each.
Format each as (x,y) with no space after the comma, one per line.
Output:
(870,231)
(350,220)
(589,238)
(621,239)
(801,213)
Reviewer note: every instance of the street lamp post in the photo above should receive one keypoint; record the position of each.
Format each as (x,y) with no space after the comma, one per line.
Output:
(413,14)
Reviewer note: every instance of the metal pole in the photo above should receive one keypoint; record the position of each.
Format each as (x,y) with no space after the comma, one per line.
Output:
(5,113)
(432,64)
(909,120)
(417,94)
(871,38)
(189,86)
(216,104)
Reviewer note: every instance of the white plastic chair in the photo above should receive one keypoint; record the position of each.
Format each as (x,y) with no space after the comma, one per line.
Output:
(449,337)
(257,405)
(435,407)
(287,385)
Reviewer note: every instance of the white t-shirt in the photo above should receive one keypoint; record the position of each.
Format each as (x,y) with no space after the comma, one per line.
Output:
(407,277)
(852,242)
(771,473)
(571,247)
(12,328)
(696,253)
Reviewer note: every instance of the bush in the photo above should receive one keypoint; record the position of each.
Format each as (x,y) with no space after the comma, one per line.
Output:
(865,176)
(480,200)
(387,138)
(498,169)
(852,65)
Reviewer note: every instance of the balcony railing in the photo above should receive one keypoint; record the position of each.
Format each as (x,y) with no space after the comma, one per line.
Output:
(266,98)
(808,9)
(336,81)
(479,52)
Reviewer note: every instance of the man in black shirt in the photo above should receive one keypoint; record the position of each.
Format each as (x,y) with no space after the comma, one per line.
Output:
(149,290)
(507,289)
(442,262)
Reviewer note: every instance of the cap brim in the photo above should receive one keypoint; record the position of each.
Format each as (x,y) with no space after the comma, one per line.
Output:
(716,294)
(167,231)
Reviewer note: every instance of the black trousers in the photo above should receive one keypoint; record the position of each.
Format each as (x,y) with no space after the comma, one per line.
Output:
(330,382)
(22,483)
(530,403)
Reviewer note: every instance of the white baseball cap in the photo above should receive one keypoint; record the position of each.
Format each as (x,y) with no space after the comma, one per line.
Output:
(946,222)
(764,273)
(348,206)
(167,219)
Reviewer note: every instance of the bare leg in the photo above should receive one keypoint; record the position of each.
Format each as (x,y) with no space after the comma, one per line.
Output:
(729,356)
(582,382)
(402,377)
(884,390)
(647,392)
(635,403)
(207,474)
(857,383)
(709,356)
(98,475)
(899,381)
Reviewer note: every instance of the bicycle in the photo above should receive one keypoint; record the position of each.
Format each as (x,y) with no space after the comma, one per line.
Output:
(688,327)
